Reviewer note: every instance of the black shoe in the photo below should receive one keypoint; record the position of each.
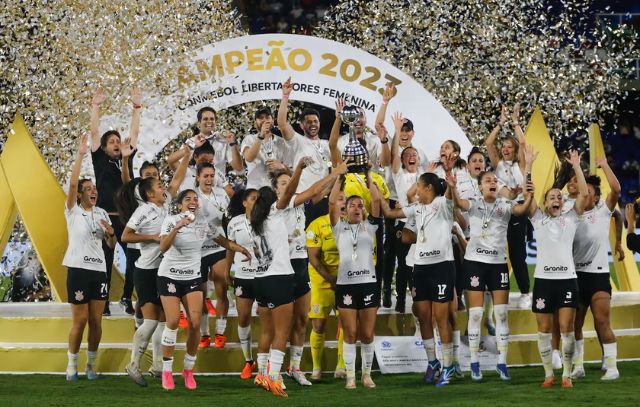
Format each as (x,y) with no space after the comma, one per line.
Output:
(400,307)
(107,311)
(127,306)
(386,298)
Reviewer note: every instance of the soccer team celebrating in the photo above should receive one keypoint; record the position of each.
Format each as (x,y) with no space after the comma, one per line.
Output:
(311,231)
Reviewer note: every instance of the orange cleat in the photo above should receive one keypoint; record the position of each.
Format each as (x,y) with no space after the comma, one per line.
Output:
(548,382)
(219,341)
(205,342)
(249,366)
(261,381)
(183,323)
(210,308)
(275,387)
(566,382)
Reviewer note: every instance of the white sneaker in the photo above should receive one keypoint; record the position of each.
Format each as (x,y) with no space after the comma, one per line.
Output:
(299,377)
(556,360)
(525,301)
(578,372)
(316,374)
(611,374)
(604,365)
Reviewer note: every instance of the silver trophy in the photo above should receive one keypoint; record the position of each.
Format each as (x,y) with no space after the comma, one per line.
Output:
(354,152)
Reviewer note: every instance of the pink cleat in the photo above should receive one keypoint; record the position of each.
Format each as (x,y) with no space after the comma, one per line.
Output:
(189,380)
(167,380)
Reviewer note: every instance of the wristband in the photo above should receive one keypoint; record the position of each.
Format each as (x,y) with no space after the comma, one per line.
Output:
(384,102)
(385,141)
(137,106)
(285,96)
(234,143)
(261,137)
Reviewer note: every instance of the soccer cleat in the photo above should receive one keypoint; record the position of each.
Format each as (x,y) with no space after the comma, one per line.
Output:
(459,374)
(205,342)
(445,376)
(578,372)
(566,382)
(189,380)
(433,372)
(340,373)
(317,374)
(556,360)
(167,380)
(548,382)
(183,323)
(135,375)
(210,308)
(247,370)
(72,377)
(276,387)
(351,383)
(298,376)
(127,306)
(219,341)
(367,381)
(91,374)
(261,381)
(612,374)
(501,368)
(476,373)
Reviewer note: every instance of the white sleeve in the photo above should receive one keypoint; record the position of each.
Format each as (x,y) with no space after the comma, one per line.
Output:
(136,220)
(167,225)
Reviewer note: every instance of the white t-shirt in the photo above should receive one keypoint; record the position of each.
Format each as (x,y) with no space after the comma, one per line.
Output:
(147,220)
(404,180)
(358,268)
(554,237)
(213,208)
(463,178)
(388,176)
(488,244)
(301,146)
(189,181)
(374,148)
(271,248)
(509,174)
(182,260)
(294,220)
(239,230)
(567,203)
(591,244)
(470,190)
(271,149)
(223,153)
(433,224)
(85,238)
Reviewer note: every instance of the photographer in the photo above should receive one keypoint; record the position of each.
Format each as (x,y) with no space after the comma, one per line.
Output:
(633,240)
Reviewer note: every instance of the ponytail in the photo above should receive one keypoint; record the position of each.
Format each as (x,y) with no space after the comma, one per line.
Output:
(439,185)
(261,209)
(126,200)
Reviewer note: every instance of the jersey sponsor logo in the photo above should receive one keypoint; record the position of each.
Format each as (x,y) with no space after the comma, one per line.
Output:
(181,271)
(88,259)
(583,265)
(300,248)
(429,254)
(487,252)
(475,281)
(540,303)
(248,269)
(210,246)
(358,273)
(555,268)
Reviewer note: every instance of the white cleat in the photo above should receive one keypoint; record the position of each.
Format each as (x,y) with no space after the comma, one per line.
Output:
(556,360)
(578,372)
(612,374)
(525,301)
(299,377)
(316,374)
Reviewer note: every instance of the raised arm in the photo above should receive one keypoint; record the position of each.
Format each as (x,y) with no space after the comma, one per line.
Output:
(517,129)
(385,152)
(612,180)
(458,202)
(178,175)
(530,156)
(319,186)
(136,101)
(98,97)
(126,150)
(396,162)
(336,157)
(389,93)
(334,211)
(251,153)
(376,196)
(490,142)
(236,158)
(283,123)
(174,158)
(285,198)
(583,192)
(72,192)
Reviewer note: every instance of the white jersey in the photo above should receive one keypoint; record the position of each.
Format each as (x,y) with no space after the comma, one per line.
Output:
(470,190)
(273,148)
(509,174)
(355,244)
(403,181)
(374,148)
(433,224)
(182,260)
(223,153)
(554,236)
(189,181)
(294,220)
(147,220)
(591,244)
(388,176)
(240,231)
(567,203)
(85,238)
(301,146)
(213,208)
(488,222)
(271,247)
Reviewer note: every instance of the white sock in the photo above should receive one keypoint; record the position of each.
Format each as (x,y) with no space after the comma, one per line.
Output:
(167,364)
(447,354)
(578,356)
(276,358)
(244,333)
(568,348)
(502,331)
(544,347)
(141,341)
(189,361)
(204,325)
(221,325)
(139,322)
(91,358)
(456,345)
(473,329)
(610,351)
(295,355)
(72,363)
(263,358)
(349,356)
(366,354)
(430,348)
(156,343)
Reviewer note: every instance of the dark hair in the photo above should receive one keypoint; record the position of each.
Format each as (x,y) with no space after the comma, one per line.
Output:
(276,175)
(182,194)
(202,166)
(105,137)
(148,164)
(266,198)
(482,174)
(460,162)
(205,148)
(205,109)
(438,184)
(126,202)
(80,186)
(475,150)
(403,153)
(563,174)
(235,207)
(309,112)
(595,182)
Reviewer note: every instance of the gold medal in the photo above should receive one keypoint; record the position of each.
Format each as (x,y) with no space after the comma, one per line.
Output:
(296,232)
(421,237)
(354,256)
